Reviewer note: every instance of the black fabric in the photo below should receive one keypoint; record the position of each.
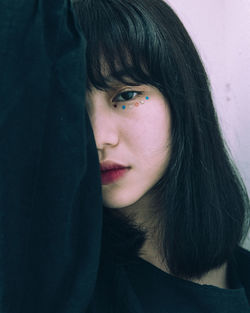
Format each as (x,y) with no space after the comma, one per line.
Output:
(51,217)
(172,294)
(50,196)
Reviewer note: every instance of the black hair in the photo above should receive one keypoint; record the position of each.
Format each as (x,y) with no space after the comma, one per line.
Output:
(203,200)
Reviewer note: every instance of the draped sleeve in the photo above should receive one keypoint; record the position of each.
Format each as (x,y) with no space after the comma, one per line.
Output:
(50,191)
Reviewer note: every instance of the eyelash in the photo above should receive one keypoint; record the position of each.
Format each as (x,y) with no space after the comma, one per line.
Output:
(126,92)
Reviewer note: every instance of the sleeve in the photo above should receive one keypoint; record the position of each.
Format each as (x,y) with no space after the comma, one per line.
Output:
(50,190)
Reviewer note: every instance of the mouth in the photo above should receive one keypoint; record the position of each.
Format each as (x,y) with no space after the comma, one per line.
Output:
(112,175)
(114,169)
(111,165)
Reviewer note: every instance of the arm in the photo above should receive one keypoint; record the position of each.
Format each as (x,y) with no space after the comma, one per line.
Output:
(50,195)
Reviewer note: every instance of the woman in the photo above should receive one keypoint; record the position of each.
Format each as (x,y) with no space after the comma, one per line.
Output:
(179,202)
(50,197)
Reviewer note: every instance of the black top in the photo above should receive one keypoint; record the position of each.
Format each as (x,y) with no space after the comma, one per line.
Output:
(140,287)
(155,287)
(50,187)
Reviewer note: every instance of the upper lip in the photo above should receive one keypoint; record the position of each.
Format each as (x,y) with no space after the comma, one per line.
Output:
(110,165)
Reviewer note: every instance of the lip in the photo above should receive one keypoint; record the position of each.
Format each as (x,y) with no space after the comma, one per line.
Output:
(111,176)
(111,165)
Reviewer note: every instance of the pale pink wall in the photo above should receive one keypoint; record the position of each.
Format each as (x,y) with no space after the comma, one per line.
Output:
(221,32)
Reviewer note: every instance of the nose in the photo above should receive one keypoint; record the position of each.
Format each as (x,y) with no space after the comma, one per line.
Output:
(103,121)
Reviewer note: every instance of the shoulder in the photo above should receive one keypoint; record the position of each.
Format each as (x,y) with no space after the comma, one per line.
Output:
(242,258)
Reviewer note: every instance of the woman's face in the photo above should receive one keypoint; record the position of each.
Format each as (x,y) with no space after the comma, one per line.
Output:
(131,125)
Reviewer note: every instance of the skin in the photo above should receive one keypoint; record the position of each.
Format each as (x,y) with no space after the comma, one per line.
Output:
(138,136)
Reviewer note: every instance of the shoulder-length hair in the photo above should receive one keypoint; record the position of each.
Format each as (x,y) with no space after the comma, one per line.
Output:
(204,200)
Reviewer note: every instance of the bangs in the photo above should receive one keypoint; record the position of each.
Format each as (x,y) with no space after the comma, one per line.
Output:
(120,43)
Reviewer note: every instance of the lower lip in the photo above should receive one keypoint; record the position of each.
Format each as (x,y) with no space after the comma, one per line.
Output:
(109,177)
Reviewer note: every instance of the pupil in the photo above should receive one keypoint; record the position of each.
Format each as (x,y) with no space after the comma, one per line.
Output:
(127,95)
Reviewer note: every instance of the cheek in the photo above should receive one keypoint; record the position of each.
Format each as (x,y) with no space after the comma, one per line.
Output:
(151,134)
(149,149)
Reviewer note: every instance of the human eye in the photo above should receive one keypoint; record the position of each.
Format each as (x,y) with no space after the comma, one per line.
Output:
(126,96)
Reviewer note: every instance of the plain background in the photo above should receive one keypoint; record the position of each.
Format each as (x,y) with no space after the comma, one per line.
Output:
(221,33)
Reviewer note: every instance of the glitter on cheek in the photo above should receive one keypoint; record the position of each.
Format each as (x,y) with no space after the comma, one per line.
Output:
(131,105)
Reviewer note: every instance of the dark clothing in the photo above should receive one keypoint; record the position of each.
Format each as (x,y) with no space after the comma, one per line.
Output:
(140,287)
(50,200)
(176,295)
(50,188)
